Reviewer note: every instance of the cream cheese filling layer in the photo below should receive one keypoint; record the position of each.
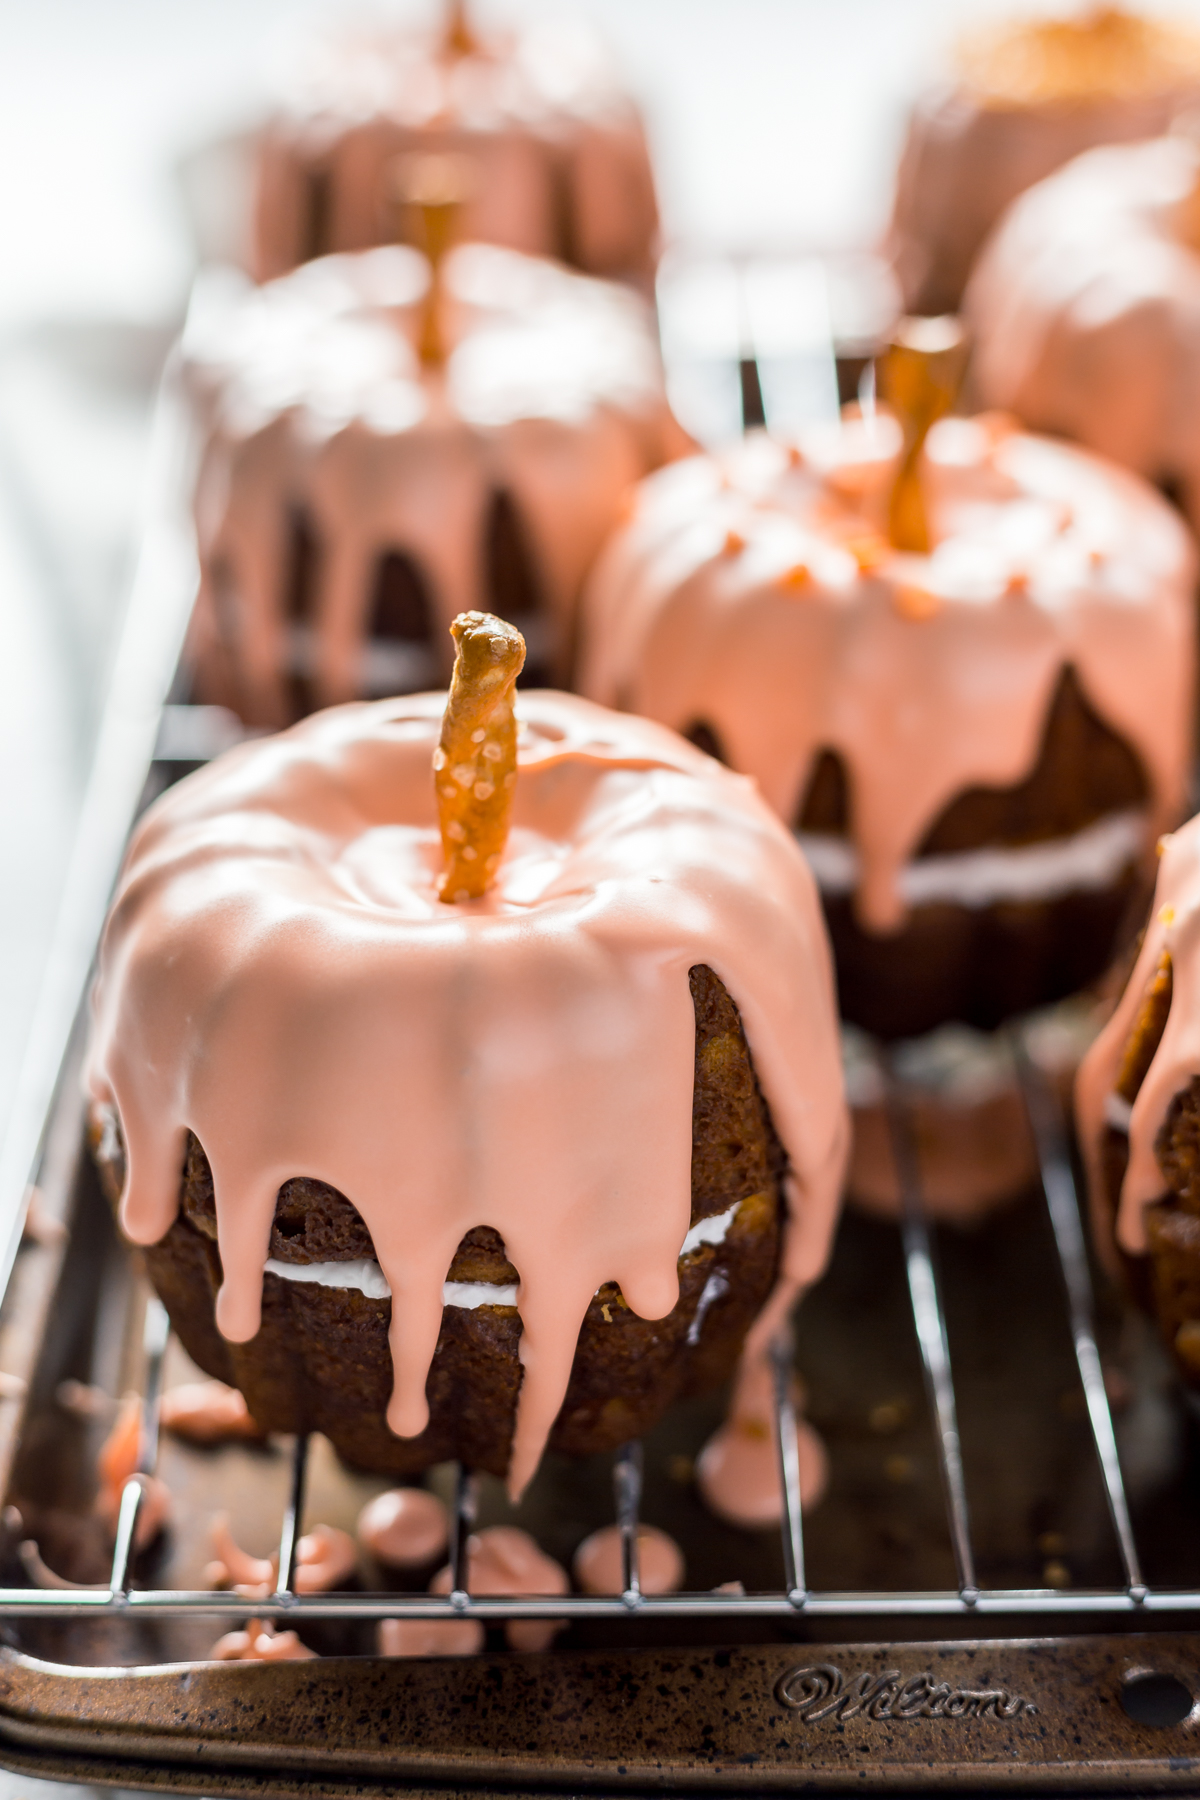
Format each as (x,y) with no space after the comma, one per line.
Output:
(1089,859)
(365,1274)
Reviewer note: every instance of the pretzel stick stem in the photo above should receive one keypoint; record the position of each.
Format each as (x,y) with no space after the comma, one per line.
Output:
(475,763)
(457,35)
(430,191)
(922,369)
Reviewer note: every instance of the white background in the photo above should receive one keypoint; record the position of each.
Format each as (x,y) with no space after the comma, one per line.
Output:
(772,120)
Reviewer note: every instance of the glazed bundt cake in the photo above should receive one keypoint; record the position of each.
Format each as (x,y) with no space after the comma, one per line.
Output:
(453,1149)
(976,716)
(1085,310)
(389,442)
(1021,100)
(557,149)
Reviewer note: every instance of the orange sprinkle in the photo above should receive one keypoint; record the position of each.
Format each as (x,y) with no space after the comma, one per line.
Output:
(869,550)
(795,456)
(734,543)
(996,426)
(915,602)
(798,576)
(1017,583)
(1166,915)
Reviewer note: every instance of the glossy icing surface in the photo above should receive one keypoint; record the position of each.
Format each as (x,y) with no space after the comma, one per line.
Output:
(1022,101)
(279,976)
(312,398)
(1174,929)
(1085,309)
(758,594)
(559,154)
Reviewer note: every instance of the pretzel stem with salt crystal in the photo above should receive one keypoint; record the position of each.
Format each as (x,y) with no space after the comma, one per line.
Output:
(921,370)
(475,763)
(457,35)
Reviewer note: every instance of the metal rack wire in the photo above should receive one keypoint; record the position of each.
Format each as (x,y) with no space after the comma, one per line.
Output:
(795,1600)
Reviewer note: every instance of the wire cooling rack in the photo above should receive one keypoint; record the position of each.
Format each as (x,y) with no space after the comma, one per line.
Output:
(795,1599)
(192,734)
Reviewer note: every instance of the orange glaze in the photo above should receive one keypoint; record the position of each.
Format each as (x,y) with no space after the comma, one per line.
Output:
(738,1471)
(259,1641)
(279,976)
(325,1559)
(599,1568)
(404,1527)
(505,1560)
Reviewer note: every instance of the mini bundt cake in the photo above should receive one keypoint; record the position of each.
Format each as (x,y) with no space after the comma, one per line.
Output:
(1024,99)
(977,742)
(1085,310)
(385,448)
(558,152)
(450,1169)
(1138,1112)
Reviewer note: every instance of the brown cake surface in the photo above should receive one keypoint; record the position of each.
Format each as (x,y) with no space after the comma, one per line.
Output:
(321,1361)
